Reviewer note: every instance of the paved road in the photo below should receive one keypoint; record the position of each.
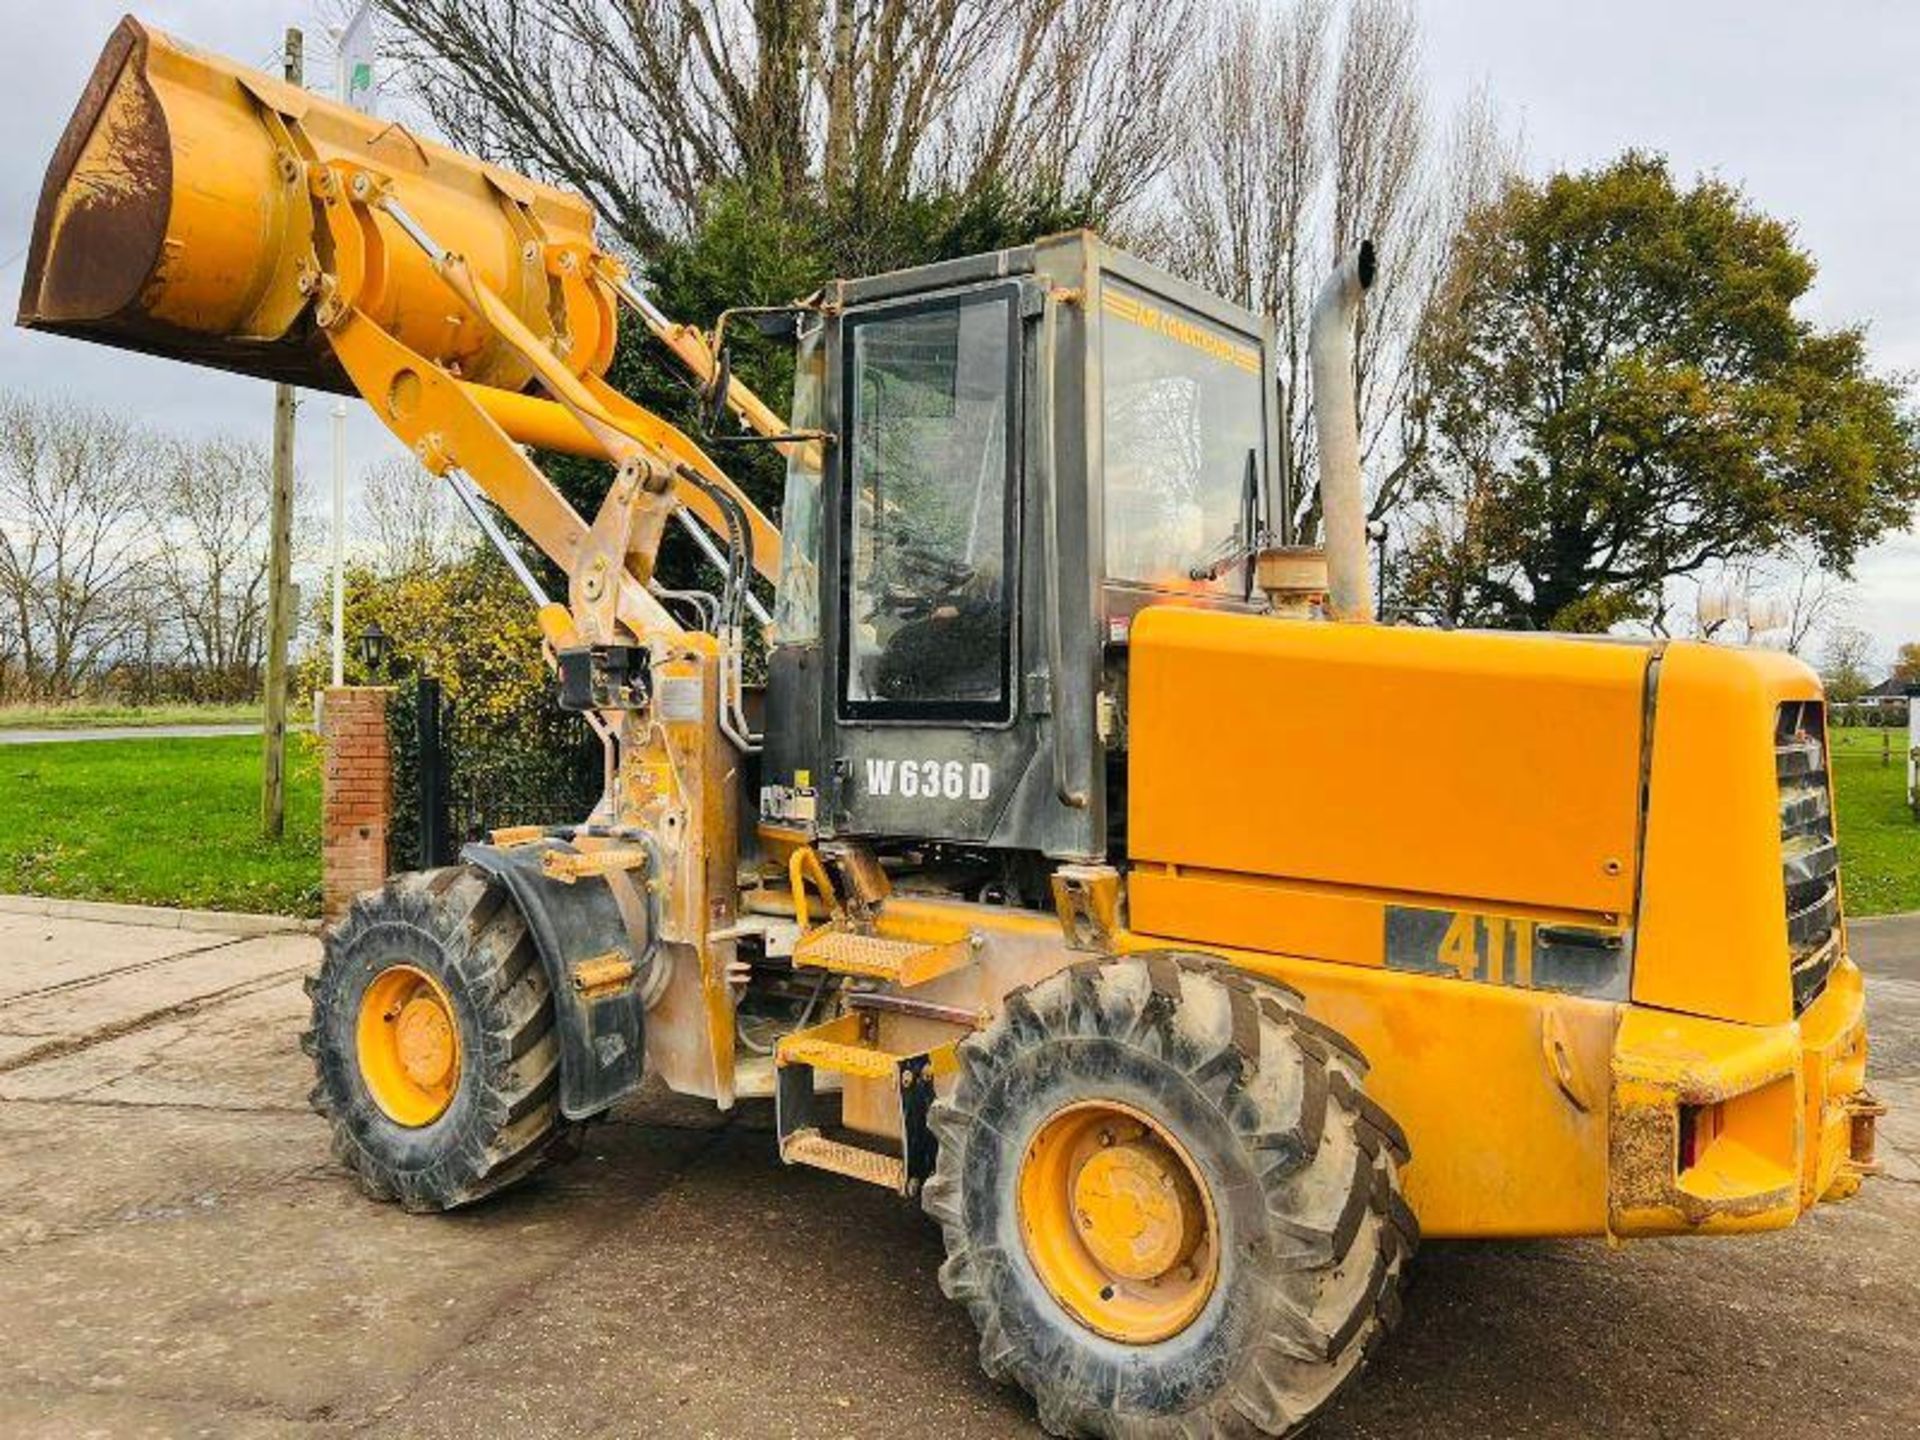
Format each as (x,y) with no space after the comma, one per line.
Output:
(128,732)
(178,1255)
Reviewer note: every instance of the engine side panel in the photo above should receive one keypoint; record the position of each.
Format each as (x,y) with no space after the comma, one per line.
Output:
(1489,768)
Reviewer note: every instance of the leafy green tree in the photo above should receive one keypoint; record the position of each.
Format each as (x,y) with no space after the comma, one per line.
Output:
(1615,390)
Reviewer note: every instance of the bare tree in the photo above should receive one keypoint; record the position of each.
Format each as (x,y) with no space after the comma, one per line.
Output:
(1787,601)
(12,678)
(1310,131)
(408,521)
(1080,98)
(72,542)
(643,105)
(1245,194)
(1812,600)
(208,515)
(1846,664)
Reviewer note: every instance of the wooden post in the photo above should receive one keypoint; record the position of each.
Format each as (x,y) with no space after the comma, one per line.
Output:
(280,597)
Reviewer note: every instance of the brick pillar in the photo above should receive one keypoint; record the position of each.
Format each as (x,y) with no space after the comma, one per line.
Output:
(357,795)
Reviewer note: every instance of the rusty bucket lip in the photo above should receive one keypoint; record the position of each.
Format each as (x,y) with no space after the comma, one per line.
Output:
(126,47)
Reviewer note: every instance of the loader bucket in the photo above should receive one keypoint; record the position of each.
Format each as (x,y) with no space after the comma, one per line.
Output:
(175,220)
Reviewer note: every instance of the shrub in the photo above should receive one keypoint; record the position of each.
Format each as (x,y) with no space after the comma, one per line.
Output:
(514,757)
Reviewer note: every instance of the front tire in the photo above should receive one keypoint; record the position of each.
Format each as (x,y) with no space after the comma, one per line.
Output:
(1229,1242)
(434,1044)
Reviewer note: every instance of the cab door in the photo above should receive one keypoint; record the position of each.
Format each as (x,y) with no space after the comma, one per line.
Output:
(931,738)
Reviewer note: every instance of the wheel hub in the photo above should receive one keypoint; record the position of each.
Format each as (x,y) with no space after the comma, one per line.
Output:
(408,1045)
(424,1037)
(1138,1211)
(1117,1222)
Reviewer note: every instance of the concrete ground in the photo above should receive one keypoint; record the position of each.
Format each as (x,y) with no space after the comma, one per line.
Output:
(179,1256)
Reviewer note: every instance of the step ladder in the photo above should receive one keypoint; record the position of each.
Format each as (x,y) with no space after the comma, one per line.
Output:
(855,1046)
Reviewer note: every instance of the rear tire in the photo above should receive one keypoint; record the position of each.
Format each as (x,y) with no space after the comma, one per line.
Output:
(494,1118)
(1300,1172)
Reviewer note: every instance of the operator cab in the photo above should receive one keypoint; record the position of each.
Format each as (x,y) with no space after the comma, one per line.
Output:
(1026,448)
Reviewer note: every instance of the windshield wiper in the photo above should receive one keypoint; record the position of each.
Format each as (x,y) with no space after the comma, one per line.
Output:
(1245,541)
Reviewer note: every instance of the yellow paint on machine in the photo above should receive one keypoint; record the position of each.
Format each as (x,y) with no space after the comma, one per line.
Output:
(1177,326)
(1491,768)
(1711,941)
(1500,1145)
(1465,793)
(1495,788)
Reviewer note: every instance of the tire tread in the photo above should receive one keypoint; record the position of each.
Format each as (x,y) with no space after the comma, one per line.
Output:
(1317,1223)
(516,1126)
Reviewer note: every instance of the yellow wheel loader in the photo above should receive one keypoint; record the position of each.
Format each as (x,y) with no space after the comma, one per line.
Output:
(1086,867)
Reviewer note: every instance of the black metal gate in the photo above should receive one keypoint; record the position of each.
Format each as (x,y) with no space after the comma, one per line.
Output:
(456,779)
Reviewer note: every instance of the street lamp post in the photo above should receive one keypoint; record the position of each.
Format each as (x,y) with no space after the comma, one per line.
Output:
(1377,532)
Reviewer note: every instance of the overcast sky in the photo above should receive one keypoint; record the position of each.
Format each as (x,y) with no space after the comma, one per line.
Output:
(1813,108)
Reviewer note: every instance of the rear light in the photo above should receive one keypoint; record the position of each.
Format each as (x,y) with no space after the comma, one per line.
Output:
(1698,1125)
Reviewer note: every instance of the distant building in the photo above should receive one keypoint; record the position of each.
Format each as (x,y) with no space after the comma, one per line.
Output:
(1890,692)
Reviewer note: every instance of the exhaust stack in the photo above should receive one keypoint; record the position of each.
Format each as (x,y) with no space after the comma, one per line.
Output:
(1336,428)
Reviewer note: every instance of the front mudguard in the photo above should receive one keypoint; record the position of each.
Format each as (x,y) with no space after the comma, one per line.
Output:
(580,933)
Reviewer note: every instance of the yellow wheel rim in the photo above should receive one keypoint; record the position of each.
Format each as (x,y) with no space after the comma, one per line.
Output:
(409,1045)
(1118,1223)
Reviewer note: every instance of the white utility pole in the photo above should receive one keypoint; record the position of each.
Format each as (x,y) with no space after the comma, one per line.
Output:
(353,85)
(339,545)
(1913,750)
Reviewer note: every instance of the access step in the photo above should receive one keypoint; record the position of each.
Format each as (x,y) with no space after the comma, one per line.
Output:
(877,1081)
(882,957)
(837,1046)
(810,1147)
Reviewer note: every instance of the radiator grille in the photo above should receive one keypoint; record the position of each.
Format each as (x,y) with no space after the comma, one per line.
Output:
(1809,856)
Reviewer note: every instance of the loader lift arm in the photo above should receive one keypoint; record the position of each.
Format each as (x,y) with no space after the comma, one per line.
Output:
(449,424)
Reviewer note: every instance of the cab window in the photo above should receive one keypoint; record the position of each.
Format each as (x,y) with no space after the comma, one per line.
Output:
(927,527)
(1185,427)
(796,606)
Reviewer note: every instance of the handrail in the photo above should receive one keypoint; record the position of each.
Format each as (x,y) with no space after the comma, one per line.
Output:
(1050,563)
(803,864)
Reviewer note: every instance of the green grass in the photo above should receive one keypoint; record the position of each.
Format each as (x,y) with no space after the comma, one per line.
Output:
(80,716)
(1879,837)
(158,822)
(176,822)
